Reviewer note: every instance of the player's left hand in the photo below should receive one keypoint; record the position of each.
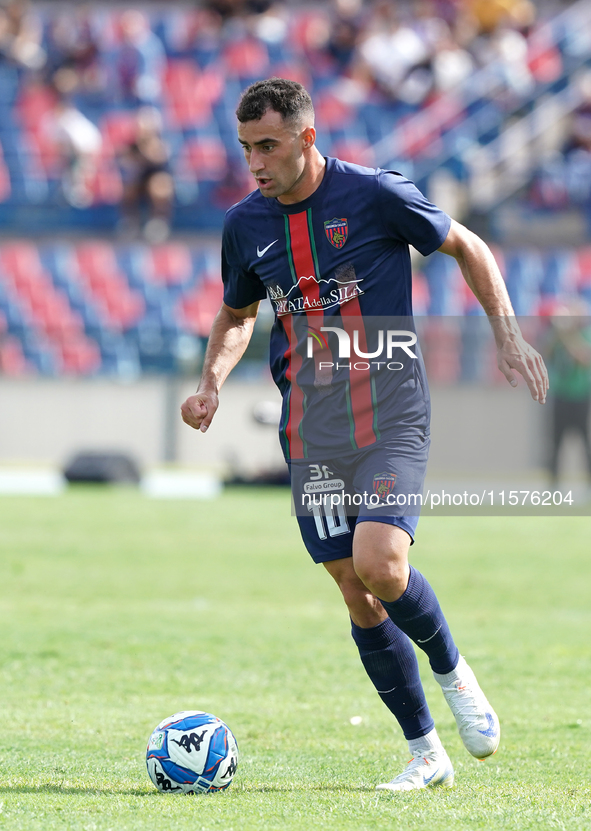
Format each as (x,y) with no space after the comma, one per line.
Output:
(516,354)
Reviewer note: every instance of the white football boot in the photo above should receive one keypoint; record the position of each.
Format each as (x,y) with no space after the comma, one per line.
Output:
(477,721)
(431,770)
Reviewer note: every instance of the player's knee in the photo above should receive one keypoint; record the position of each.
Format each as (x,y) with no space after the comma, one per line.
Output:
(364,609)
(387,577)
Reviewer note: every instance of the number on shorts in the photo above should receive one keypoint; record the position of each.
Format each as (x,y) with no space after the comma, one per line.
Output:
(334,525)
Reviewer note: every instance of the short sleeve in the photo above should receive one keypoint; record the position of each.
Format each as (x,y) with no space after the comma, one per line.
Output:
(408,216)
(241,287)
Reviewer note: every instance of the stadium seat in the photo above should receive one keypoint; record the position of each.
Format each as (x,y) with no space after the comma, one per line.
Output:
(189,93)
(5,188)
(118,129)
(357,151)
(246,59)
(80,356)
(200,307)
(420,293)
(13,363)
(583,257)
(440,347)
(445,285)
(202,158)
(560,273)
(171,263)
(524,275)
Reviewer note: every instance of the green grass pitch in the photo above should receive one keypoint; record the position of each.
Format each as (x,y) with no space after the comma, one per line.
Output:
(116,611)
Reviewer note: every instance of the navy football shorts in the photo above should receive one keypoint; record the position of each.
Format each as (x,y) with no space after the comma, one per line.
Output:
(380,483)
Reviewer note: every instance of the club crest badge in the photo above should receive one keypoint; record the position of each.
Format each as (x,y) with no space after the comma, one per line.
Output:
(383,484)
(337,231)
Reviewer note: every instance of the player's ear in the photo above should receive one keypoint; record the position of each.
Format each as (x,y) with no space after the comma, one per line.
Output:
(309,137)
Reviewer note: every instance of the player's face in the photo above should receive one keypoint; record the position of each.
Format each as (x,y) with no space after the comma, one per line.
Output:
(276,154)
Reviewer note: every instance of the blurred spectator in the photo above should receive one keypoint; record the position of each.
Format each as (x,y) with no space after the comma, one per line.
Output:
(347,21)
(147,180)
(140,61)
(579,138)
(451,65)
(492,15)
(565,178)
(394,54)
(79,143)
(20,35)
(72,47)
(568,355)
(234,8)
(505,51)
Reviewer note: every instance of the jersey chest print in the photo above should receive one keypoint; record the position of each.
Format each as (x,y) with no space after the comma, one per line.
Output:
(297,284)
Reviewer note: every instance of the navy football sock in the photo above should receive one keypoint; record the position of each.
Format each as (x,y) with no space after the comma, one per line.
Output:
(390,661)
(418,614)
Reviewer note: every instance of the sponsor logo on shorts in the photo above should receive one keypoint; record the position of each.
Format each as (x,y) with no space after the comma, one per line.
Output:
(383,484)
(324,486)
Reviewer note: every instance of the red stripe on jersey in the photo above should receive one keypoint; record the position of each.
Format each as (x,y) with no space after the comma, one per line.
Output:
(303,263)
(296,399)
(359,379)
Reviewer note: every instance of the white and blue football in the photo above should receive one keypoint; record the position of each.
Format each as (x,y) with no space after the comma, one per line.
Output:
(192,752)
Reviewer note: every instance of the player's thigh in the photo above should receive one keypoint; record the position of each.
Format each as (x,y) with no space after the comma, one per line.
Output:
(326,529)
(390,477)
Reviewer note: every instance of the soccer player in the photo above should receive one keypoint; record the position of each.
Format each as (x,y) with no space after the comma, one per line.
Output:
(328,242)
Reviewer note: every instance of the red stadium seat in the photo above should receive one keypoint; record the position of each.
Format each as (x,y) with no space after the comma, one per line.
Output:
(12,361)
(80,356)
(118,129)
(190,92)
(171,263)
(34,103)
(96,258)
(201,306)
(204,157)
(5,188)
(294,72)
(584,266)
(20,259)
(441,350)
(108,285)
(420,293)
(247,58)
(543,58)
(311,29)
(105,184)
(332,112)
(356,151)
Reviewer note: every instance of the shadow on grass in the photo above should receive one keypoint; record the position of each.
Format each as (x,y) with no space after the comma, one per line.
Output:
(244,788)
(75,789)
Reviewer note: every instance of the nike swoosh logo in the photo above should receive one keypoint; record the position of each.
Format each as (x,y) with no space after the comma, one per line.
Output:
(260,253)
(491,730)
(430,638)
(430,778)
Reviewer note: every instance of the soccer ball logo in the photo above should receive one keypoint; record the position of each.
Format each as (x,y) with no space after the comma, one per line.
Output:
(192,752)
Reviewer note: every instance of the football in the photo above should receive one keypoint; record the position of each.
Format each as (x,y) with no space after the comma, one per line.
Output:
(192,752)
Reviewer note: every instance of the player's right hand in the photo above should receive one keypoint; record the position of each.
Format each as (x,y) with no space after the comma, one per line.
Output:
(199,409)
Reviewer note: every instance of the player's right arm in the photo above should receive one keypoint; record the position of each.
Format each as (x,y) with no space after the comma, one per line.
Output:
(230,335)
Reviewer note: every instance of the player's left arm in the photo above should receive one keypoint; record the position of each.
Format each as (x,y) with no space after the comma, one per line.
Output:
(481,272)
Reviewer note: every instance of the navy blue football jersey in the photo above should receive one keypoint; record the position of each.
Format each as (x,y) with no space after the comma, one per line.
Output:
(336,268)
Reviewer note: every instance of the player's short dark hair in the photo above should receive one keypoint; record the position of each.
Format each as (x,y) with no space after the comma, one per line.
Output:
(288,98)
